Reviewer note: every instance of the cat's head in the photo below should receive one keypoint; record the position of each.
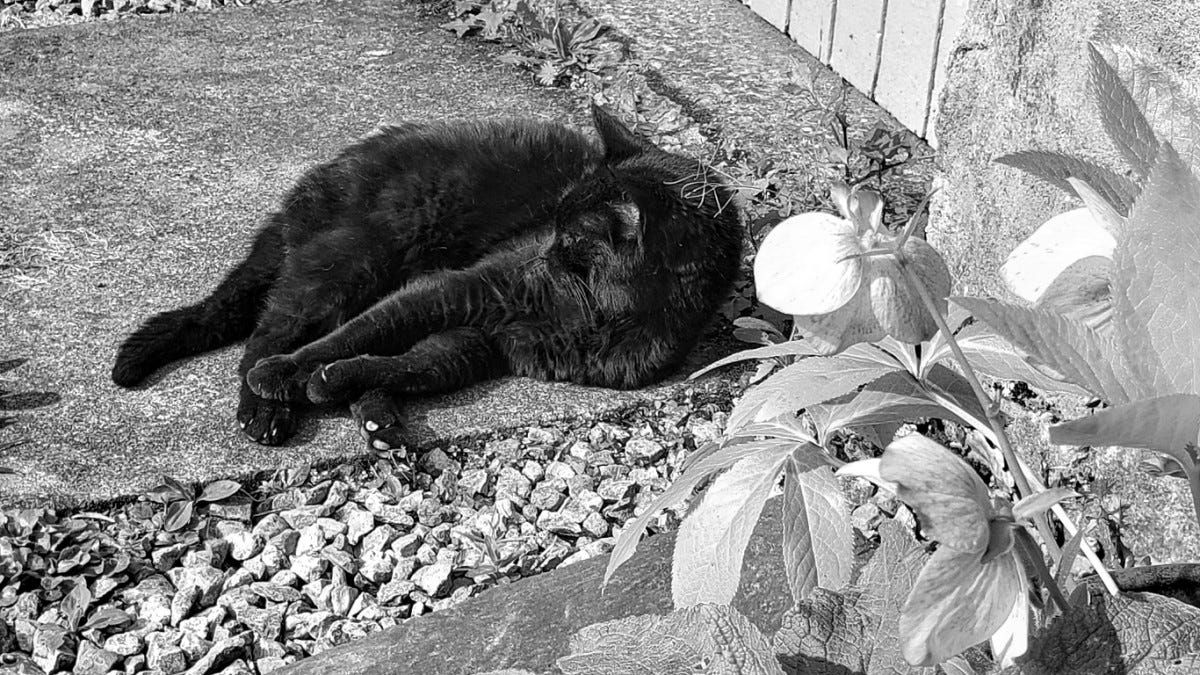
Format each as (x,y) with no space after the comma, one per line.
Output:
(641,214)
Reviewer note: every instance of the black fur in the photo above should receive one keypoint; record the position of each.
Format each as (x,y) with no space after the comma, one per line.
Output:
(428,257)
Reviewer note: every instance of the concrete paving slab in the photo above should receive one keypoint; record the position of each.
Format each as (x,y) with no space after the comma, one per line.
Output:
(136,159)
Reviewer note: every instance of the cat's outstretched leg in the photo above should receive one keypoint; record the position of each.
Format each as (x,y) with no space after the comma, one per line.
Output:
(442,362)
(225,316)
(306,304)
(437,303)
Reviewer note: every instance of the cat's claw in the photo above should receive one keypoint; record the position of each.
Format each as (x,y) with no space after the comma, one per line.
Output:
(332,383)
(266,422)
(378,419)
(279,378)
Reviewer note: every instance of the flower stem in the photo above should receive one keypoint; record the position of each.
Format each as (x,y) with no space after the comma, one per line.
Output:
(1193,479)
(989,409)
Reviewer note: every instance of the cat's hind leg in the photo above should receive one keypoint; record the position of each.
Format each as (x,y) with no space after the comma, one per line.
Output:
(225,316)
(315,294)
(442,362)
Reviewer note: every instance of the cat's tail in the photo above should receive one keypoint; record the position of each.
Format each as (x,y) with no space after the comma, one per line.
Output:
(226,316)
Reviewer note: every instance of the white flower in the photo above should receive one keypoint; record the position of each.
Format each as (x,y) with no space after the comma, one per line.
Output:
(840,279)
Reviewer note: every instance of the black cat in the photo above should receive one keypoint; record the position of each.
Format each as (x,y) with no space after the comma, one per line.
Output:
(428,257)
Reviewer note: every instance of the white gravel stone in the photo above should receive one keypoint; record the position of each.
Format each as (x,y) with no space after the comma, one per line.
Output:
(243,545)
(533,470)
(644,450)
(406,545)
(377,540)
(560,470)
(433,579)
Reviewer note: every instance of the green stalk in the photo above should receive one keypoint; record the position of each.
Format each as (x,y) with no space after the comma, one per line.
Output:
(990,410)
(1193,479)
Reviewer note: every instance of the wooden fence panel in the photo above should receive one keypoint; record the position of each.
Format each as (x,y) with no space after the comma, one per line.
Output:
(907,61)
(857,28)
(774,11)
(810,25)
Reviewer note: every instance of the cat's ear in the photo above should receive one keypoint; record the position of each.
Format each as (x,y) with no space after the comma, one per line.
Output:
(619,142)
(629,221)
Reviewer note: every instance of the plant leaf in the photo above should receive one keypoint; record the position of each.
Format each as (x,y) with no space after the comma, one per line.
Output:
(107,618)
(1122,119)
(992,355)
(856,630)
(707,565)
(218,490)
(804,383)
(1143,634)
(1166,424)
(1055,169)
(184,491)
(75,604)
(179,514)
(817,539)
(680,489)
(792,348)
(716,635)
(1074,352)
(1156,277)
(895,397)
(1171,104)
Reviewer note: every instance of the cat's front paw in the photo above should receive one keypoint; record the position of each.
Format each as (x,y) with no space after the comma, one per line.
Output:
(334,383)
(266,422)
(279,378)
(378,418)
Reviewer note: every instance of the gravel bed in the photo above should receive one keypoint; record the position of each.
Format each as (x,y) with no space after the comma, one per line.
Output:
(313,558)
(17,14)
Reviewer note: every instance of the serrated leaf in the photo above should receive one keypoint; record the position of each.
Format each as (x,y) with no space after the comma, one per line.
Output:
(992,355)
(1170,103)
(218,490)
(707,564)
(1132,633)
(179,514)
(792,348)
(807,382)
(1074,352)
(1156,277)
(817,539)
(1055,169)
(715,635)
(1121,117)
(1166,424)
(895,397)
(679,490)
(856,630)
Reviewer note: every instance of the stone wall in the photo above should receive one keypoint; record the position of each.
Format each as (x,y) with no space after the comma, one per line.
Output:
(1018,80)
